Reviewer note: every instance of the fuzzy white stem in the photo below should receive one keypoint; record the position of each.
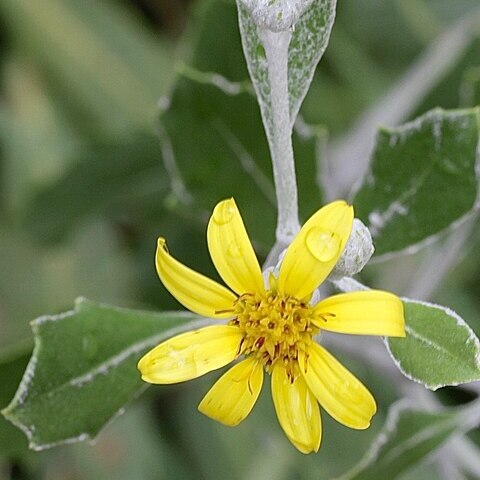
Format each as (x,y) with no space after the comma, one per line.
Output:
(280,141)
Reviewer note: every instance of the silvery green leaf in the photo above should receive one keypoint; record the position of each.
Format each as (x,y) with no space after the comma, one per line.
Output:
(13,361)
(423,179)
(84,361)
(407,438)
(440,348)
(310,37)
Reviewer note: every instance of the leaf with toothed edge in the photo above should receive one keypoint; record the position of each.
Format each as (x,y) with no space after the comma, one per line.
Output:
(83,369)
(423,180)
(13,361)
(408,437)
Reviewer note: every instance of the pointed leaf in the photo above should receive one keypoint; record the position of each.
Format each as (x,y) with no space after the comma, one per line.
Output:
(310,37)
(12,365)
(83,369)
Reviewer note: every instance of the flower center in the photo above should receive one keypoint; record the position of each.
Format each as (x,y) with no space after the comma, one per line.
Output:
(276,328)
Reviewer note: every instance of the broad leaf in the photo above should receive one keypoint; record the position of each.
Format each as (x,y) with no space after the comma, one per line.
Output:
(309,40)
(12,365)
(440,348)
(408,437)
(423,178)
(83,369)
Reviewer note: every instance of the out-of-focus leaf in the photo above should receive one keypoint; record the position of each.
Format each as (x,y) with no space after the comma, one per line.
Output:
(12,365)
(18,305)
(470,87)
(132,447)
(36,140)
(84,361)
(440,348)
(97,53)
(102,175)
(408,437)
(422,179)
(309,40)
(446,92)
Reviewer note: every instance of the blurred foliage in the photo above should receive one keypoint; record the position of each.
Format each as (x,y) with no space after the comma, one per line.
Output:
(86,187)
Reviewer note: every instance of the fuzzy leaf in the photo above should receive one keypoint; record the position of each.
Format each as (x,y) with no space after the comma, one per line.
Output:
(408,437)
(309,40)
(440,348)
(83,369)
(12,364)
(423,178)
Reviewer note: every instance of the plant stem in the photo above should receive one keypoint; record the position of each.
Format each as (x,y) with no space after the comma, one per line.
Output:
(280,141)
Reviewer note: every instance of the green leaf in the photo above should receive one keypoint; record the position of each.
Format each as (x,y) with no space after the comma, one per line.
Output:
(470,87)
(12,365)
(440,348)
(84,361)
(408,437)
(423,178)
(309,41)
(119,84)
(102,176)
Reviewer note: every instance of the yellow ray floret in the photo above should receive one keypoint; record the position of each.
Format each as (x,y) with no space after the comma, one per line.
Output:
(231,250)
(273,328)
(370,312)
(193,290)
(191,354)
(339,392)
(315,250)
(297,410)
(233,396)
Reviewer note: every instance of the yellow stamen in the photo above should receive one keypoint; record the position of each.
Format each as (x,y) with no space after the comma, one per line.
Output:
(275,328)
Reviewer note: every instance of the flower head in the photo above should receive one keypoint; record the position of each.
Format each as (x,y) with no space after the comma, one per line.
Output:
(273,327)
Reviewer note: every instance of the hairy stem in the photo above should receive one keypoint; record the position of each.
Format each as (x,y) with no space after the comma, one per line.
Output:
(280,141)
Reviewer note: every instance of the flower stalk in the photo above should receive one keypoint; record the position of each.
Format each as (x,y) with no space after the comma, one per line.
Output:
(276,46)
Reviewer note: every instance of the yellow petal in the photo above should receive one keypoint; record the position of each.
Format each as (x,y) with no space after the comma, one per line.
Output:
(339,392)
(316,249)
(194,291)
(297,410)
(370,312)
(231,250)
(233,396)
(191,354)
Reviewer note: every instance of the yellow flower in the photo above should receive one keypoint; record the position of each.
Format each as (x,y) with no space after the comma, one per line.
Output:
(273,327)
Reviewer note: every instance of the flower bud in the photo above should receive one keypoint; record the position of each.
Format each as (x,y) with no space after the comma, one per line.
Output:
(277,15)
(357,253)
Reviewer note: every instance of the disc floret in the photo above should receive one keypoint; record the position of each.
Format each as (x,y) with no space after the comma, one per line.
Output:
(276,327)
